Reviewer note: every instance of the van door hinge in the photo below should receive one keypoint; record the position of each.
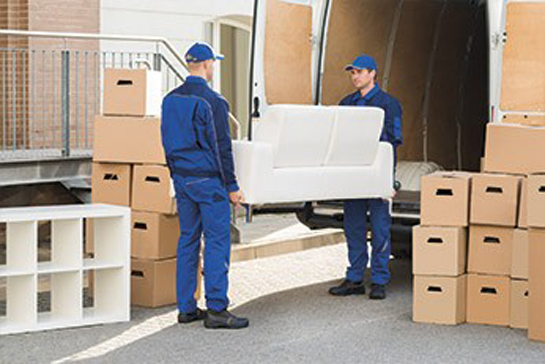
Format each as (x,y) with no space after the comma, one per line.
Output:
(314,40)
(495,40)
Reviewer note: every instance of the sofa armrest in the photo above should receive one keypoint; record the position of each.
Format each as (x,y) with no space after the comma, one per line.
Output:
(385,168)
(253,168)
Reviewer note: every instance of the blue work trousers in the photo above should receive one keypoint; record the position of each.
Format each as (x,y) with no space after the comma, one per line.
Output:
(203,209)
(355,227)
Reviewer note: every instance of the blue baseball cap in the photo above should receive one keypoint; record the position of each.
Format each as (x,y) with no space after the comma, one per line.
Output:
(200,52)
(362,62)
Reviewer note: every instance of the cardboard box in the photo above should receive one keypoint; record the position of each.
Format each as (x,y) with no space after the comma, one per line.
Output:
(494,199)
(111,183)
(523,204)
(128,140)
(439,300)
(535,201)
(524,119)
(153,282)
(439,251)
(519,260)
(488,299)
(445,199)
(154,236)
(490,250)
(524,157)
(536,282)
(152,190)
(132,92)
(519,304)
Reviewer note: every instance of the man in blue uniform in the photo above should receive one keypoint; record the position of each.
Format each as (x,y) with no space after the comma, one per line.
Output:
(197,142)
(363,72)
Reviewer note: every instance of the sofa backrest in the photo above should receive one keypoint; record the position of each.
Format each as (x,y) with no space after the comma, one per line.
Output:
(314,136)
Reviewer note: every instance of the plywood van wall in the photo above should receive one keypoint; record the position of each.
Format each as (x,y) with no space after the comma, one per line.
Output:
(523,76)
(428,70)
(288,53)
(410,62)
(355,27)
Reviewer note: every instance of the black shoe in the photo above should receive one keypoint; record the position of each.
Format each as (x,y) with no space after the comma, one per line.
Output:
(378,292)
(224,320)
(348,288)
(185,318)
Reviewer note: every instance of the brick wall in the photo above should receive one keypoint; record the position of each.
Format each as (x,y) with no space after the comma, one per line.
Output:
(31,75)
(78,16)
(12,84)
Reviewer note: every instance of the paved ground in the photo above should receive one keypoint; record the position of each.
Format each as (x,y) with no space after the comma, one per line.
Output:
(269,227)
(302,324)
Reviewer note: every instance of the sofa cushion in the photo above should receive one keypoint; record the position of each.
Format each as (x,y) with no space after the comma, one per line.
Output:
(356,132)
(300,134)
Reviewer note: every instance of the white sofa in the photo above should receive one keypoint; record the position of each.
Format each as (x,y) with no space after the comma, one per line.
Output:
(315,153)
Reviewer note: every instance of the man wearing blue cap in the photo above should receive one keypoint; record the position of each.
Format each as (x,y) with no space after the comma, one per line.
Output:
(363,73)
(197,143)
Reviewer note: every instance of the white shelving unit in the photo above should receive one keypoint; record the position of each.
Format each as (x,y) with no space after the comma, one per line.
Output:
(110,264)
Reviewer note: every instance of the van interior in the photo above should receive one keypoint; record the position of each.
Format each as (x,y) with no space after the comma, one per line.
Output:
(432,56)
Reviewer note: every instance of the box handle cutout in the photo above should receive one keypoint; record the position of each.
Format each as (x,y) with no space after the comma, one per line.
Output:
(141,225)
(444,192)
(124,82)
(137,273)
(491,189)
(153,179)
(526,294)
(491,240)
(435,289)
(541,189)
(111,177)
(435,241)
(489,290)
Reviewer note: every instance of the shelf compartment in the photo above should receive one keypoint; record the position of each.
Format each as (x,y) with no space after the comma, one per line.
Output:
(67,242)
(22,300)
(111,293)
(66,299)
(109,236)
(22,246)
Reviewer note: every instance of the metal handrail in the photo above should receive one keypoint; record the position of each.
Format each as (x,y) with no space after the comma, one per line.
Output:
(128,38)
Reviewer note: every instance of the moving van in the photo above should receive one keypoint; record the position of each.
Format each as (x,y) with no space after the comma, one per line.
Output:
(454,65)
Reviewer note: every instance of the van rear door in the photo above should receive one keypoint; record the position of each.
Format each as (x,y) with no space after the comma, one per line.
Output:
(523,61)
(282,53)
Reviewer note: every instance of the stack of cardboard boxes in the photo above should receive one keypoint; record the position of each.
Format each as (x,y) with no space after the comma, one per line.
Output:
(536,249)
(494,222)
(469,257)
(517,147)
(129,169)
(440,249)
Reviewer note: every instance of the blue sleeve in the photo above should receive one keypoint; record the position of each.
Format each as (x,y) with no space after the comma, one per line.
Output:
(398,129)
(392,132)
(223,134)
(345,101)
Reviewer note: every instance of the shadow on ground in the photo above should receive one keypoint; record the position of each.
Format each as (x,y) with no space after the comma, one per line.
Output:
(301,325)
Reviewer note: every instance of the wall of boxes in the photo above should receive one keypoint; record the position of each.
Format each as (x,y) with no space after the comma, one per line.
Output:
(479,253)
(129,169)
